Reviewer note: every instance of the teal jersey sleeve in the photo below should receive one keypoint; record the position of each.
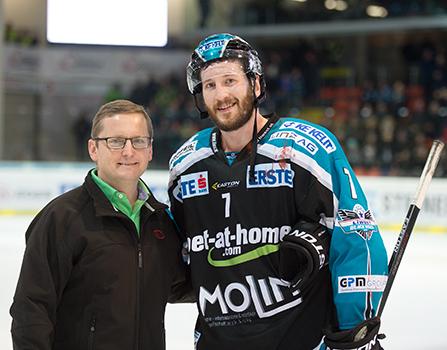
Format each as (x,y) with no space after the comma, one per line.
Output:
(358,259)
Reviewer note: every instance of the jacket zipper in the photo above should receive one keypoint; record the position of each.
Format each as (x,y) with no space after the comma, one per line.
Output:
(139,272)
(91,334)
(139,252)
(140,256)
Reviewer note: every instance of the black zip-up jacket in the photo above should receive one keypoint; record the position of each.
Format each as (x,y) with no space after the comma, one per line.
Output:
(89,282)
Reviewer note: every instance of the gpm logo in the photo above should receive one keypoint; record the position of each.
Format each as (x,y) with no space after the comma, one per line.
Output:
(362,283)
(193,185)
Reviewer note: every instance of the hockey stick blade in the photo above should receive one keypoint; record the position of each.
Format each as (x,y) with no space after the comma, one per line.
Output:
(410,219)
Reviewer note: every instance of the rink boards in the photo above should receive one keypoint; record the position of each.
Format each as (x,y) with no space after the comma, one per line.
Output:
(25,187)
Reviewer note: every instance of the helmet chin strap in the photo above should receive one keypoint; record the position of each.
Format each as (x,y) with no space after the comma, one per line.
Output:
(197,102)
(254,141)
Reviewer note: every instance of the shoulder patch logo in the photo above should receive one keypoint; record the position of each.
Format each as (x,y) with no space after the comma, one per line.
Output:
(183,151)
(318,135)
(357,221)
(298,139)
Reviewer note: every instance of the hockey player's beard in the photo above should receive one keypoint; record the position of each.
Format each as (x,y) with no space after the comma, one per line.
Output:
(245,107)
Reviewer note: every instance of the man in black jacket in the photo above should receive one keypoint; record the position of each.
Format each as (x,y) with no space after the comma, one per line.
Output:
(102,260)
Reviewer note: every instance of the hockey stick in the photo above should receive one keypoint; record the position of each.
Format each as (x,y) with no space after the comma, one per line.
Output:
(410,219)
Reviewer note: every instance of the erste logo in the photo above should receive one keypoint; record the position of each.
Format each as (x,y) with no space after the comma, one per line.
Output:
(271,175)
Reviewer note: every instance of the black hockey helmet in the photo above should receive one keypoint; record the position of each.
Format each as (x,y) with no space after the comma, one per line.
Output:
(219,47)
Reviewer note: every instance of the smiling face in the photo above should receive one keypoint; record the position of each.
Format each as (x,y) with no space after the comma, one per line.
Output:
(228,94)
(121,168)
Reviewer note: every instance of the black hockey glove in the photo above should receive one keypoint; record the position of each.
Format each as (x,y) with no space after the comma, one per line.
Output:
(303,253)
(363,337)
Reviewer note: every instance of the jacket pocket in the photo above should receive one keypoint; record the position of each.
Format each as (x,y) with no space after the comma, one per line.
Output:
(91,333)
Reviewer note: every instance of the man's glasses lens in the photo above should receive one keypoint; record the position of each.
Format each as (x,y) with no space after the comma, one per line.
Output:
(120,142)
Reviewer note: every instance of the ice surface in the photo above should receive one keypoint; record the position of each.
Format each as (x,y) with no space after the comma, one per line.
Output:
(413,319)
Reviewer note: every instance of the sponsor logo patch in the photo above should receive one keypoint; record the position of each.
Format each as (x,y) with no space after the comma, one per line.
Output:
(225,185)
(358,220)
(246,298)
(299,140)
(271,175)
(318,135)
(230,247)
(193,185)
(215,44)
(361,283)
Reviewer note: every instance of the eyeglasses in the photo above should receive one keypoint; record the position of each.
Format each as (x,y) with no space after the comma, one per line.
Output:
(139,142)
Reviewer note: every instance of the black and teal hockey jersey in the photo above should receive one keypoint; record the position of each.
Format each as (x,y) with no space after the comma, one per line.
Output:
(232,225)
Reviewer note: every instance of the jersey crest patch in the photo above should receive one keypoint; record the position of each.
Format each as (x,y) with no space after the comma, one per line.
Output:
(357,221)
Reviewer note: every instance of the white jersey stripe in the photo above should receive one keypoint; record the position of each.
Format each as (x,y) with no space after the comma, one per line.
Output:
(187,162)
(309,164)
(300,159)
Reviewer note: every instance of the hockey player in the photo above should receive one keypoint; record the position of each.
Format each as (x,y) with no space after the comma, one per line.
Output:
(283,248)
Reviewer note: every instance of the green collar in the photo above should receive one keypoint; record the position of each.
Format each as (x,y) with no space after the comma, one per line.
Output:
(120,201)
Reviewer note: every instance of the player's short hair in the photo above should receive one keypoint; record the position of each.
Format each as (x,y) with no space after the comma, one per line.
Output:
(113,108)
